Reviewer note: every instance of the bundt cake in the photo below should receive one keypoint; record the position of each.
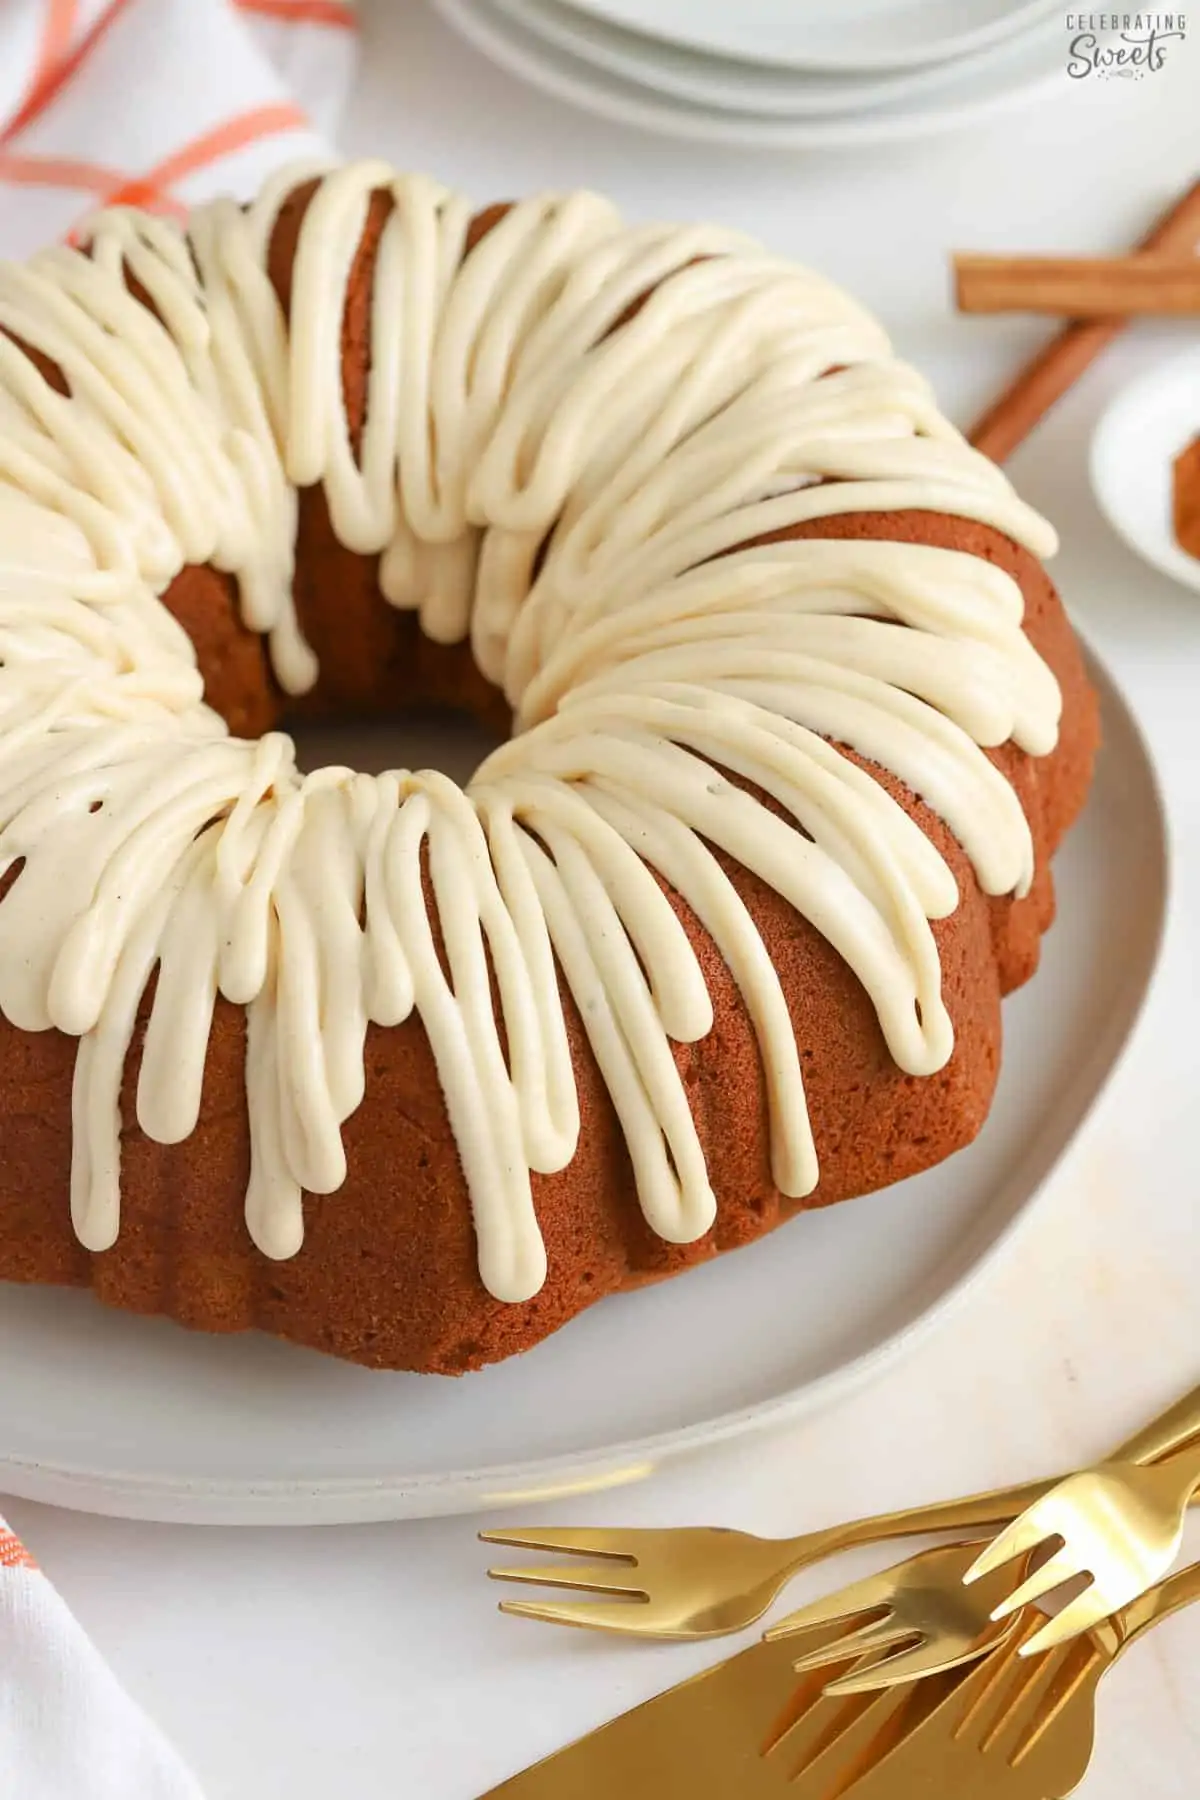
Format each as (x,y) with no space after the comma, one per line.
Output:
(794,720)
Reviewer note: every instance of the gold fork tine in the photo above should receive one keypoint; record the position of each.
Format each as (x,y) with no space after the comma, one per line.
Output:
(824,1755)
(989,1689)
(856,1599)
(1076,1617)
(882,1634)
(1000,1681)
(1023,1535)
(1034,1693)
(588,1578)
(567,1540)
(1062,1566)
(592,1615)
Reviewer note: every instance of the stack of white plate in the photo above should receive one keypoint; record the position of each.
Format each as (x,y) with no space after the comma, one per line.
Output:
(786,73)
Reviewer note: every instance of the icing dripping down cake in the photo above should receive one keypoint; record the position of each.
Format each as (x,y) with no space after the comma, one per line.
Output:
(794,722)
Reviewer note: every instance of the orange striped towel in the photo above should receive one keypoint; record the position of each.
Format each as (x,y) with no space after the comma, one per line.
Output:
(160,103)
(68,1729)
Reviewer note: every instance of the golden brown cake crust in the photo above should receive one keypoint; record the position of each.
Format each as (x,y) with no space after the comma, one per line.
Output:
(387,1275)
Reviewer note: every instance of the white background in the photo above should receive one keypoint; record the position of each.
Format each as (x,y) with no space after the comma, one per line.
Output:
(370,1661)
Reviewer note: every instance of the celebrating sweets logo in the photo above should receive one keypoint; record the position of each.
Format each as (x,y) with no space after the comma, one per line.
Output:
(1121,45)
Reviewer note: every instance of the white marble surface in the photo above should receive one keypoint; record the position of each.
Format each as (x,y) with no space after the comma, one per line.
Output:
(370,1660)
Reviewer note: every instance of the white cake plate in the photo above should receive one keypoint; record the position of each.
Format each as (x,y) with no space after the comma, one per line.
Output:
(1142,430)
(1008,75)
(836,36)
(139,1418)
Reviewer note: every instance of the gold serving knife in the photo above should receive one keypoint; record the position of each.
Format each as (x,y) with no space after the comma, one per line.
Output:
(701,1740)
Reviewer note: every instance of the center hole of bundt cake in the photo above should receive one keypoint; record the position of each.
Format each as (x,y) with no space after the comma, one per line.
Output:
(419,737)
(386,696)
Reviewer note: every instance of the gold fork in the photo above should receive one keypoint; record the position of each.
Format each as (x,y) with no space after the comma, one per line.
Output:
(904,1611)
(1121,1526)
(915,1619)
(1006,1730)
(701,1582)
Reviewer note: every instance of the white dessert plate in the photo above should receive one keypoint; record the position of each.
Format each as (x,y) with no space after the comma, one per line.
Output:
(141,1418)
(1032,63)
(1134,446)
(735,86)
(832,35)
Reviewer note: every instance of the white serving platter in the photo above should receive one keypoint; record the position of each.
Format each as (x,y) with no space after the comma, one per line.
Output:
(140,1418)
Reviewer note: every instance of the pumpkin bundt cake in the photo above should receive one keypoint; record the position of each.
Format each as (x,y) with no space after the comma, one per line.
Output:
(795,721)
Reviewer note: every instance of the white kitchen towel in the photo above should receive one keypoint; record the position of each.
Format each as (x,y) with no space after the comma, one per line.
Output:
(68,1729)
(156,103)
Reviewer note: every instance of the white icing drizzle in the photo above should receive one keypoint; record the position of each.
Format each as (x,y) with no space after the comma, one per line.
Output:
(512,409)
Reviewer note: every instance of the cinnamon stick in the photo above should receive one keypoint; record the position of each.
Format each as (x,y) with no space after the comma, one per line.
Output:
(1054,369)
(1078,287)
